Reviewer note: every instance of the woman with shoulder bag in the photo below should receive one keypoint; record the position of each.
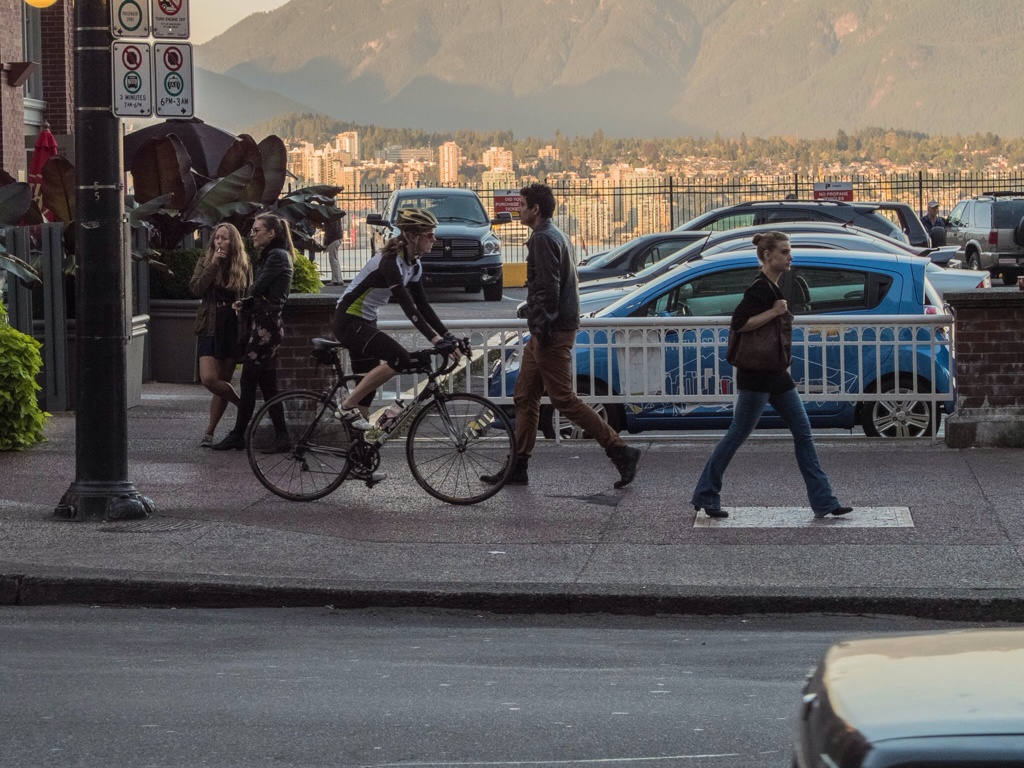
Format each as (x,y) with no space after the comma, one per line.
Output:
(260,311)
(220,278)
(770,383)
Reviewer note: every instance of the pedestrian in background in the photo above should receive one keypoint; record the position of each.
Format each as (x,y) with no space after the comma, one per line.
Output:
(932,218)
(221,277)
(263,329)
(762,303)
(333,232)
(553,317)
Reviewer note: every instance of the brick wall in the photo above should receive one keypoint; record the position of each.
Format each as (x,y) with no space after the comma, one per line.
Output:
(306,316)
(58,67)
(989,368)
(12,101)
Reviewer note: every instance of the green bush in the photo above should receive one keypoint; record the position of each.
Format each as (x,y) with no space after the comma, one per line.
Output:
(174,285)
(21,419)
(305,278)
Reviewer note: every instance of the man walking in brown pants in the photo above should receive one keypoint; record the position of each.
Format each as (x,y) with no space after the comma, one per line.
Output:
(553,316)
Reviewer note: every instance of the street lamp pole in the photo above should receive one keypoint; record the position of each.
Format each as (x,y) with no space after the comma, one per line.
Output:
(101,490)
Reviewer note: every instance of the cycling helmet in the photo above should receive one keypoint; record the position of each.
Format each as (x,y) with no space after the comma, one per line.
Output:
(415,218)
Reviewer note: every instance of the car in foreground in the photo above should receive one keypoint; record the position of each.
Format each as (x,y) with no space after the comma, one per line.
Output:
(597,295)
(778,211)
(820,282)
(944,699)
(466,254)
(988,230)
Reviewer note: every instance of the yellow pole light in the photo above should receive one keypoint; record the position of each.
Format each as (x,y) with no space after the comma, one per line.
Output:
(40,3)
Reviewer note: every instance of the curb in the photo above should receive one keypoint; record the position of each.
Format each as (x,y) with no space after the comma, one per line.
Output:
(966,605)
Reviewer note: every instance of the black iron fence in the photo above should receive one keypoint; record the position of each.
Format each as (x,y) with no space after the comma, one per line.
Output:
(599,214)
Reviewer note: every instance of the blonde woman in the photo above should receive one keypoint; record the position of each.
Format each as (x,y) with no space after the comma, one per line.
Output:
(220,278)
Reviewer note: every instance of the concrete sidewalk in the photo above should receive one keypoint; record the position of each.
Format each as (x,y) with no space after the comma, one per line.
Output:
(935,533)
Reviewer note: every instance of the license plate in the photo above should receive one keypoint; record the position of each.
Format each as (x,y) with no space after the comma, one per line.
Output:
(1008,261)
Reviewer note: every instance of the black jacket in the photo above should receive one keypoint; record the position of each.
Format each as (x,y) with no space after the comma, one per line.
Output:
(552,293)
(273,281)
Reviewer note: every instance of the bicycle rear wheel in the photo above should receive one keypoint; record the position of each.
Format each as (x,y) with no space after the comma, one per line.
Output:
(313,460)
(455,439)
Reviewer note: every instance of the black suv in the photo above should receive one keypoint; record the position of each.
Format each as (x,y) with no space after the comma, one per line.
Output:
(989,231)
(777,211)
(467,253)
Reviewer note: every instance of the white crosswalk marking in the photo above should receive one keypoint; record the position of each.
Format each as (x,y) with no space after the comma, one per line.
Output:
(802,517)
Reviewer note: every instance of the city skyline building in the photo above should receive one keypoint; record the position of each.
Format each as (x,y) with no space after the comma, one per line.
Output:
(449,160)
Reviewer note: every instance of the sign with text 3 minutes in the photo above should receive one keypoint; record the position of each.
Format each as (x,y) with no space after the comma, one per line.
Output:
(173,92)
(133,80)
(170,19)
(129,18)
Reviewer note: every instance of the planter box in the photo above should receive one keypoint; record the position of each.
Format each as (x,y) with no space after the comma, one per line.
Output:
(172,340)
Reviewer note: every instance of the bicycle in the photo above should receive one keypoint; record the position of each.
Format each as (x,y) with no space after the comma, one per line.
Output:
(452,439)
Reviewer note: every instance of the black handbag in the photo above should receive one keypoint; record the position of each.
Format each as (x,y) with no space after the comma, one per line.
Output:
(767,348)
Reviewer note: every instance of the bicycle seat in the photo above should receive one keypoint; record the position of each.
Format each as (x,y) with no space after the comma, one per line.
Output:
(324,351)
(319,343)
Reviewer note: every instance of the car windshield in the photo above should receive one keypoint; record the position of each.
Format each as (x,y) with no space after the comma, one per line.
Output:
(676,270)
(603,259)
(686,253)
(448,208)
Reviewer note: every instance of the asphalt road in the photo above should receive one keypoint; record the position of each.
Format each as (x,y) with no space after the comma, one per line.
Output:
(319,687)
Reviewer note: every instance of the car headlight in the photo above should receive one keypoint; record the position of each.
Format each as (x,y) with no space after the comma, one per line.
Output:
(491,245)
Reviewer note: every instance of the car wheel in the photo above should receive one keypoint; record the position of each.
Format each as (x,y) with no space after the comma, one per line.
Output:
(1009,277)
(900,416)
(493,292)
(1018,233)
(613,413)
(973,262)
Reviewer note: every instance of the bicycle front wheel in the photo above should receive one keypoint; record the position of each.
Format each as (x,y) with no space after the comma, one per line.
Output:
(453,441)
(297,446)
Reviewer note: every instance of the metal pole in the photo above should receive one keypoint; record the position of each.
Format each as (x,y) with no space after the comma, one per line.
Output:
(101,489)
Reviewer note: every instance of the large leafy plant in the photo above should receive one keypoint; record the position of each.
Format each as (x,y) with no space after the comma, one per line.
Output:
(250,177)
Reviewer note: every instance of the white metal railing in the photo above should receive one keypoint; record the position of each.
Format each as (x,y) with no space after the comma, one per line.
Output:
(640,358)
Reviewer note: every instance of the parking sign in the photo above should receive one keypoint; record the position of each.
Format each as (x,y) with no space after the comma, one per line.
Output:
(133,84)
(173,92)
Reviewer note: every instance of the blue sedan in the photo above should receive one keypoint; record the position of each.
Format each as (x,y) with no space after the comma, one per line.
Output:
(820,282)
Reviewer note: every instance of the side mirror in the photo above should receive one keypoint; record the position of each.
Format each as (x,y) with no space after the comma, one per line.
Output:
(375,220)
(499,218)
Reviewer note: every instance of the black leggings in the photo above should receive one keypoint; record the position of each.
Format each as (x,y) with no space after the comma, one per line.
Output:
(368,347)
(266,379)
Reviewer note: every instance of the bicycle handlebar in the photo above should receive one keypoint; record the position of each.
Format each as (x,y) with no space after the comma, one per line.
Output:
(448,365)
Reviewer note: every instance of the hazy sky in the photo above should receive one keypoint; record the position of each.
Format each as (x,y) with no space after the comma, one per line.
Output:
(208,18)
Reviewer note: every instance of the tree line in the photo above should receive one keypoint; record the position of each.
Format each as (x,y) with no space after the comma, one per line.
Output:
(773,154)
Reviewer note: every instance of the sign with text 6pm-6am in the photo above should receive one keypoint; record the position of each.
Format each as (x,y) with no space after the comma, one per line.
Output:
(173,92)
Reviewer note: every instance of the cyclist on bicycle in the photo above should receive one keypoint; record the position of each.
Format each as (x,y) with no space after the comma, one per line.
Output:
(395,270)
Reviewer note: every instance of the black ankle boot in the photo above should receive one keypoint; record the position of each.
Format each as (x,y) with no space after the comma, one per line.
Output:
(625,458)
(233,442)
(518,476)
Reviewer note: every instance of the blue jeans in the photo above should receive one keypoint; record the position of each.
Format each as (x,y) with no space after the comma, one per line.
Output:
(749,407)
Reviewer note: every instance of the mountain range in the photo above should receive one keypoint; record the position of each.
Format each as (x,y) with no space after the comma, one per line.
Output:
(804,68)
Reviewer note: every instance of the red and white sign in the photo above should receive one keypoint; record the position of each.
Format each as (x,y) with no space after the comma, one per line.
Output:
(173,93)
(170,19)
(506,201)
(132,80)
(841,191)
